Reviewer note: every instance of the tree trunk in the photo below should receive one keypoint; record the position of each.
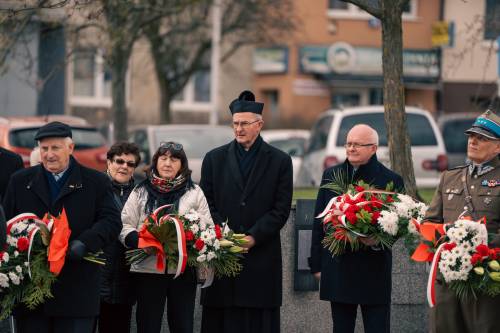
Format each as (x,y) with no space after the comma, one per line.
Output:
(394,102)
(119,65)
(165,100)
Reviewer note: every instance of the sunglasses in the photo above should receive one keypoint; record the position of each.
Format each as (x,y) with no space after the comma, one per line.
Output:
(173,145)
(119,161)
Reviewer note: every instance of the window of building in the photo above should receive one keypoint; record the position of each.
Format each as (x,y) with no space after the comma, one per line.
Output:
(492,19)
(271,103)
(196,94)
(341,9)
(89,79)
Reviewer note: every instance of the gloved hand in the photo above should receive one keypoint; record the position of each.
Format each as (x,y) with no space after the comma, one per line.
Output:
(77,250)
(132,240)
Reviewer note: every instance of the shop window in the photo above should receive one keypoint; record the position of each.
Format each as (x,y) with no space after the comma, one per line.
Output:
(341,9)
(492,20)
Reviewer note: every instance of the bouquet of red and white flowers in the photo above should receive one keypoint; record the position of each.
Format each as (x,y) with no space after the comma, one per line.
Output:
(466,263)
(188,239)
(32,258)
(362,211)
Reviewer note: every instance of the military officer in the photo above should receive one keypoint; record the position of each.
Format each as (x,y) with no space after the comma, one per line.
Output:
(470,190)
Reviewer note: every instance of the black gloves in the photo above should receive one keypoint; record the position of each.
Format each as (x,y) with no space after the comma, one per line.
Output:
(77,250)
(132,240)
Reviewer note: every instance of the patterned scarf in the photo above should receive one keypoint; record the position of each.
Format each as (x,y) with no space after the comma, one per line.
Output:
(166,185)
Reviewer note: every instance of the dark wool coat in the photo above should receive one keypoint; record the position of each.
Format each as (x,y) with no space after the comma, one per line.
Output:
(93,219)
(260,209)
(362,277)
(9,163)
(116,286)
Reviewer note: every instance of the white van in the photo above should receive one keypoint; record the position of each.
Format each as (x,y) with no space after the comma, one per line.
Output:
(328,135)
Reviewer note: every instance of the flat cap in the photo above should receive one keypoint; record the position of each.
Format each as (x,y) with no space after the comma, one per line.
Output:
(487,124)
(53,129)
(246,103)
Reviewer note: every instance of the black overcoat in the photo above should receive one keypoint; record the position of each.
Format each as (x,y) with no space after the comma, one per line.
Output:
(362,277)
(260,209)
(10,162)
(93,219)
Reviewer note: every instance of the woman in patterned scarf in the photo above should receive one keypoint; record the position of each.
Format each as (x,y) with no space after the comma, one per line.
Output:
(168,182)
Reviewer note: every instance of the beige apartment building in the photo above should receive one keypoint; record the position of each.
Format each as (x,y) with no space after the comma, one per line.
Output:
(334,59)
(470,64)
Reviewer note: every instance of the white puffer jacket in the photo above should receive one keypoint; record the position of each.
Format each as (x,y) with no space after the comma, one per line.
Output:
(133,216)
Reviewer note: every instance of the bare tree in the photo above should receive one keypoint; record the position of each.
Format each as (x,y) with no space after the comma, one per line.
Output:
(181,43)
(389,12)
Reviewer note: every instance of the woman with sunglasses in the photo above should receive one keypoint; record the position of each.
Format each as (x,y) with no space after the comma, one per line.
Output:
(168,182)
(117,297)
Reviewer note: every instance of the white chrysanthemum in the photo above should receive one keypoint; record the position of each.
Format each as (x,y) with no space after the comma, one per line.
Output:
(12,241)
(202,225)
(16,254)
(203,250)
(4,280)
(14,278)
(19,269)
(201,258)
(194,228)
(402,209)
(5,257)
(216,244)
(412,229)
(210,255)
(192,215)
(422,209)
(26,263)
(388,221)
(206,236)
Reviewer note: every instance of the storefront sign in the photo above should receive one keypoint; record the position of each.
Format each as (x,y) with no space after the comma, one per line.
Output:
(345,60)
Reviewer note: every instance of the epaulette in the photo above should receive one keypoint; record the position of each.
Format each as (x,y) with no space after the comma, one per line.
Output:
(459,167)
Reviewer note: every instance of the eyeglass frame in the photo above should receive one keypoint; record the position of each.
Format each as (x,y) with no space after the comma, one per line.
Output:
(174,145)
(356,145)
(121,161)
(243,124)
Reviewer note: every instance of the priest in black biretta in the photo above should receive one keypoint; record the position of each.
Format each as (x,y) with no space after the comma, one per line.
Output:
(248,183)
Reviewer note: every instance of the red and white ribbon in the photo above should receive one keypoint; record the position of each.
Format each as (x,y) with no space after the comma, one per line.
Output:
(181,246)
(431,282)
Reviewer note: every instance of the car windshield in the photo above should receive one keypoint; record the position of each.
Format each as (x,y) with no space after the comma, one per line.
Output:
(421,133)
(292,146)
(84,138)
(453,134)
(196,142)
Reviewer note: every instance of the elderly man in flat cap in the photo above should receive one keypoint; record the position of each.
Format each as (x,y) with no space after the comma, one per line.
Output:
(85,194)
(248,183)
(470,190)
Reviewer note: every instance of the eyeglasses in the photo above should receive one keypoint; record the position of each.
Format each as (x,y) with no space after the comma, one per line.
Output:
(173,145)
(119,161)
(356,145)
(243,124)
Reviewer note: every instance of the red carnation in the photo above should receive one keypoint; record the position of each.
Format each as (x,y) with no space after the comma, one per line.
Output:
(376,203)
(199,244)
(189,235)
(475,259)
(218,232)
(22,244)
(449,246)
(494,253)
(375,217)
(359,188)
(389,199)
(368,208)
(351,217)
(483,250)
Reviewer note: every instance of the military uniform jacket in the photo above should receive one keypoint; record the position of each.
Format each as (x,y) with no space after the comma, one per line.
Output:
(93,219)
(260,208)
(449,201)
(364,276)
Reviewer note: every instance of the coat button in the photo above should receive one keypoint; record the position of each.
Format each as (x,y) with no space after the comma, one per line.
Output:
(465,207)
(243,203)
(472,187)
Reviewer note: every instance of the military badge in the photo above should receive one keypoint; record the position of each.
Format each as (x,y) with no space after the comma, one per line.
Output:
(491,182)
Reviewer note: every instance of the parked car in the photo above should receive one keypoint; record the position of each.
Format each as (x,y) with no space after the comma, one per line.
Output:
(18,133)
(197,140)
(293,142)
(452,128)
(328,135)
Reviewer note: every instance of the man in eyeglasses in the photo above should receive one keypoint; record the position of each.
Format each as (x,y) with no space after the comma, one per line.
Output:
(470,190)
(86,196)
(248,183)
(355,278)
